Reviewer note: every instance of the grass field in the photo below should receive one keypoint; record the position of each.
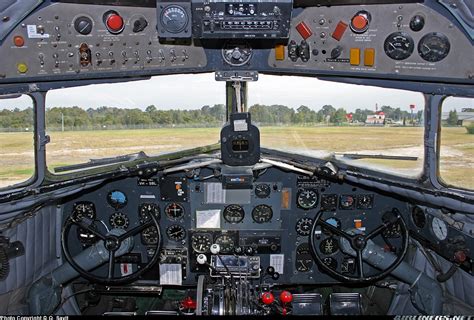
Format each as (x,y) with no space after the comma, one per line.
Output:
(16,155)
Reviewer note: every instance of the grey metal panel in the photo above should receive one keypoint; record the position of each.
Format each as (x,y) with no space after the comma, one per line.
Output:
(40,237)
(15,10)
(386,19)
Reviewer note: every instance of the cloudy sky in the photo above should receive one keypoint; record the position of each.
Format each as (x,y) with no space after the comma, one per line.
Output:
(194,91)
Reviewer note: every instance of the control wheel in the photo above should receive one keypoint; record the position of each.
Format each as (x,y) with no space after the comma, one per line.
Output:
(109,248)
(342,253)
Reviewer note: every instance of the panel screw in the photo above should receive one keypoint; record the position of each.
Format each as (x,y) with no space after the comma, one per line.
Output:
(5,19)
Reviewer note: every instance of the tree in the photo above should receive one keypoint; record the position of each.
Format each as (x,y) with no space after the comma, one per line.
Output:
(452,118)
(339,116)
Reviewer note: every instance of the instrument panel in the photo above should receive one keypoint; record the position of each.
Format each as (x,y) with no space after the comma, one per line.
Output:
(412,40)
(268,225)
(70,41)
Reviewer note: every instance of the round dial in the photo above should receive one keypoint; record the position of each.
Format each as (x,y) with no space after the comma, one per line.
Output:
(418,217)
(347,202)
(201,242)
(148,209)
(262,213)
(226,243)
(176,232)
(399,45)
(304,261)
(329,246)
(83,25)
(329,202)
(262,190)
(234,213)
(174,18)
(84,210)
(434,47)
(364,201)
(303,226)
(117,199)
(150,236)
(307,198)
(440,229)
(174,211)
(330,262)
(335,222)
(119,220)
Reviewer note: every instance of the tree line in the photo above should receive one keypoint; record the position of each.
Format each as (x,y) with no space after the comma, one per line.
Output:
(111,117)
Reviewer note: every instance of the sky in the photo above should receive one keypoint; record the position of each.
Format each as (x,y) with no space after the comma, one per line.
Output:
(195,91)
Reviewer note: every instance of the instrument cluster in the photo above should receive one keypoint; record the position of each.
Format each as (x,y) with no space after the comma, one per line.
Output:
(272,221)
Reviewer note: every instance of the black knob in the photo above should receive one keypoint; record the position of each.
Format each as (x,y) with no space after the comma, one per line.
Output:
(417,23)
(276,276)
(336,52)
(83,25)
(140,24)
(270,270)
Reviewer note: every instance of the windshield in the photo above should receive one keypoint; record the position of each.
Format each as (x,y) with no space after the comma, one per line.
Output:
(375,127)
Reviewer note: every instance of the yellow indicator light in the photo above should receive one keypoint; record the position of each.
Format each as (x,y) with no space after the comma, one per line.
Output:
(369,57)
(355,56)
(279,52)
(22,67)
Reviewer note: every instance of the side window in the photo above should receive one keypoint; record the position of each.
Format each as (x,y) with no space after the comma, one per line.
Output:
(457,142)
(17,153)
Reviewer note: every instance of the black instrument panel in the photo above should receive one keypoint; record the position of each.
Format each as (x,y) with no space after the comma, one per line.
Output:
(280,240)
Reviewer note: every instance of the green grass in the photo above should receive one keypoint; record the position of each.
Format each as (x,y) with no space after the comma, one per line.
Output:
(16,149)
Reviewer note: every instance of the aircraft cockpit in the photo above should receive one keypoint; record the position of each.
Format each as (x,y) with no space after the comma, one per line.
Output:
(227,158)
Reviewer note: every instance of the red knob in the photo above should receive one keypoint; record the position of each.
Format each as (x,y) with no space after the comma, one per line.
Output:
(267,298)
(114,22)
(286,297)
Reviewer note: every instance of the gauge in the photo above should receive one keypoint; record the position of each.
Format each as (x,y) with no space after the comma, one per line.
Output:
(262,190)
(329,202)
(234,213)
(303,226)
(433,47)
(440,229)
(262,213)
(307,198)
(330,262)
(399,45)
(346,202)
(117,199)
(418,217)
(119,220)
(147,210)
(176,232)
(201,242)
(348,265)
(226,243)
(150,236)
(329,246)
(365,201)
(335,222)
(303,261)
(174,18)
(83,209)
(174,211)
